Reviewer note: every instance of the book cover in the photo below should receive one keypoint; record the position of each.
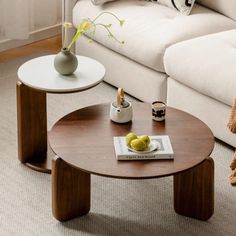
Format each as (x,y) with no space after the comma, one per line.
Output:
(164,151)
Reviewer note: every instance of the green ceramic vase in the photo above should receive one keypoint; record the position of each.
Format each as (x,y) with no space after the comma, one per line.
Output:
(65,62)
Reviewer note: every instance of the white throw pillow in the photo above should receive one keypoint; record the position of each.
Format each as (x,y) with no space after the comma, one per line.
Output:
(184,6)
(100,2)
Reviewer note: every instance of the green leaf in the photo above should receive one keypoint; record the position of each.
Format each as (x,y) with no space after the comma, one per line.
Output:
(122,22)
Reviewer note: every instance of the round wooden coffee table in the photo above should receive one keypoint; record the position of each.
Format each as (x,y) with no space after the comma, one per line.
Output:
(83,144)
(37,77)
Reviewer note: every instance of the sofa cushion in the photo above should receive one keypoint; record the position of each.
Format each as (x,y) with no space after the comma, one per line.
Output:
(206,64)
(150,28)
(226,7)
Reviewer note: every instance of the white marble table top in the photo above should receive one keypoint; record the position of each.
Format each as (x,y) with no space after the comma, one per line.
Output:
(39,73)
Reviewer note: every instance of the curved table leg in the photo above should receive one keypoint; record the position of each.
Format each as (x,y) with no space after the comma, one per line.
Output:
(194,191)
(70,191)
(32,128)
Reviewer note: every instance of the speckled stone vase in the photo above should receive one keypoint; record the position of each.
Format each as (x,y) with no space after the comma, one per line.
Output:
(65,62)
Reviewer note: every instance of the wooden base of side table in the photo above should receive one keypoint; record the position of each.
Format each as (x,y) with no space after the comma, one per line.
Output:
(44,166)
(32,128)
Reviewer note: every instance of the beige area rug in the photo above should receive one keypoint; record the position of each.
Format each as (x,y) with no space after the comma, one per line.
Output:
(119,207)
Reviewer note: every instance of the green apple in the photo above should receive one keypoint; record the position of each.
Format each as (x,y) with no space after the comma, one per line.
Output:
(129,137)
(138,144)
(146,139)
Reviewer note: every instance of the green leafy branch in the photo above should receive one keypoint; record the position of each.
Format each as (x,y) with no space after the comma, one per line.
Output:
(90,25)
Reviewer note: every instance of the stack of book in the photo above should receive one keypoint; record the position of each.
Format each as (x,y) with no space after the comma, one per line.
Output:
(164,149)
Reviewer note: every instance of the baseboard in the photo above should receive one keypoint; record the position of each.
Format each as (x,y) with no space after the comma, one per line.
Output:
(36,35)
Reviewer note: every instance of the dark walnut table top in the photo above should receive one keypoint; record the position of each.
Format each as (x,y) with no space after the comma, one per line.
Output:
(84,139)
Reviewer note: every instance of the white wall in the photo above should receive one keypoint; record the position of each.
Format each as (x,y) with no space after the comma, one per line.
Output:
(45,22)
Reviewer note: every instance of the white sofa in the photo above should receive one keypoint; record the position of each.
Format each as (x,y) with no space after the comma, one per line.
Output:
(204,79)
(186,60)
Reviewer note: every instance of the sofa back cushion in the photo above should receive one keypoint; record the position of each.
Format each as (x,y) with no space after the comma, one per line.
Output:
(225,7)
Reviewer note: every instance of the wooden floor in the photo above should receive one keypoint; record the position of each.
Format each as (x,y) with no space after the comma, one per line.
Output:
(51,45)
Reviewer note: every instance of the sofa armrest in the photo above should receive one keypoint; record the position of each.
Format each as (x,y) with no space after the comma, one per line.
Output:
(67,15)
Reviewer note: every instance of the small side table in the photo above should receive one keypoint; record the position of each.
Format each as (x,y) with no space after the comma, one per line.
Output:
(38,77)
